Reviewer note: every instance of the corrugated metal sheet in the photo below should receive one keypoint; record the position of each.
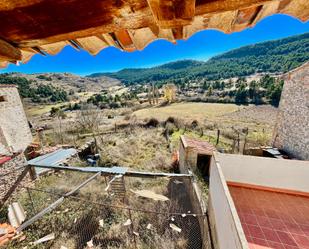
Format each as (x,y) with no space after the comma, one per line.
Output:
(16,214)
(199,146)
(53,159)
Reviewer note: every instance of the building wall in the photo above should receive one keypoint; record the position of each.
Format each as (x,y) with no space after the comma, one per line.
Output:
(224,222)
(267,172)
(292,129)
(15,134)
(187,158)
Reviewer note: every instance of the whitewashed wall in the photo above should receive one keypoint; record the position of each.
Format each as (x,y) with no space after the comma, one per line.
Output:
(226,228)
(268,172)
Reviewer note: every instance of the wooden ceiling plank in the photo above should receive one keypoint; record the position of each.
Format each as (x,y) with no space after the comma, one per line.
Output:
(142,37)
(267,10)
(167,34)
(125,40)
(110,40)
(218,6)
(296,8)
(247,16)
(93,44)
(26,55)
(53,48)
(198,24)
(3,64)
(178,33)
(9,52)
(222,21)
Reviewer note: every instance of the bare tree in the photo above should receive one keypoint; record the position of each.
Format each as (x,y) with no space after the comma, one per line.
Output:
(153,94)
(89,119)
(60,115)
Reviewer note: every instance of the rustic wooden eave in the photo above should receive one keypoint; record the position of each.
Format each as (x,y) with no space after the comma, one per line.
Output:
(29,27)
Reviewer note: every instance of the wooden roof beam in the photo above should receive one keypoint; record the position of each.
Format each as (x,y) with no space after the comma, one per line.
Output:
(218,6)
(245,17)
(134,22)
(8,52)
(172,13)
(13,4)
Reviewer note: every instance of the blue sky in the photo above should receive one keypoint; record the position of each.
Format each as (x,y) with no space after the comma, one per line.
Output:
(200,46)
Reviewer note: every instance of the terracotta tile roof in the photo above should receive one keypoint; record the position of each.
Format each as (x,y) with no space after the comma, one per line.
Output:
(46,27)
(200,146)
(4,159)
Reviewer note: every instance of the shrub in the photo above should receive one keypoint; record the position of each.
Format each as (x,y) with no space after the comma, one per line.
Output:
(169,129)
(170,120)
(178,123)
(194,124)
(153,122)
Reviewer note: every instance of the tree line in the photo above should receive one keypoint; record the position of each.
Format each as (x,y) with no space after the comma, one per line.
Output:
(277,56)
(39,94)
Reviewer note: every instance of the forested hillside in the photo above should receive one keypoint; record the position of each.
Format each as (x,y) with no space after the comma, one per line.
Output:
(41,93)
(272,56)
(55,87)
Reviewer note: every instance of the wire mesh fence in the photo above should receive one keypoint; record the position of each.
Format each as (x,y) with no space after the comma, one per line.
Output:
(10,172)
(129,212)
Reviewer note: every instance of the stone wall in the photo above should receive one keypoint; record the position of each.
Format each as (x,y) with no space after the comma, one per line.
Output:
(292,128)
(10,171)
(15,134)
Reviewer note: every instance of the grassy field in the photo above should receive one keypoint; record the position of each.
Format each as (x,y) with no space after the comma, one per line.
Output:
(257,120)
(37,110)
(188,111)
(40,109)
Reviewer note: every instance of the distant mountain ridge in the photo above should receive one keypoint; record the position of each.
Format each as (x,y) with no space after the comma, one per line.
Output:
(55,87)
(275,56)
(68,81)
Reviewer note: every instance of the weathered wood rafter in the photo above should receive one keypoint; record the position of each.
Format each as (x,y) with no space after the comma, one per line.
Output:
(46,26)
(9,52)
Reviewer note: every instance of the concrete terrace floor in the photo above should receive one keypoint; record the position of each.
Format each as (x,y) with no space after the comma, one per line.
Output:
(272,219)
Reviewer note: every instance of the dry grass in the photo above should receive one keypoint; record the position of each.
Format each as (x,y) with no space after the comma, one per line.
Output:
(37,110)
(259,120)
(188,111)
(142,149)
